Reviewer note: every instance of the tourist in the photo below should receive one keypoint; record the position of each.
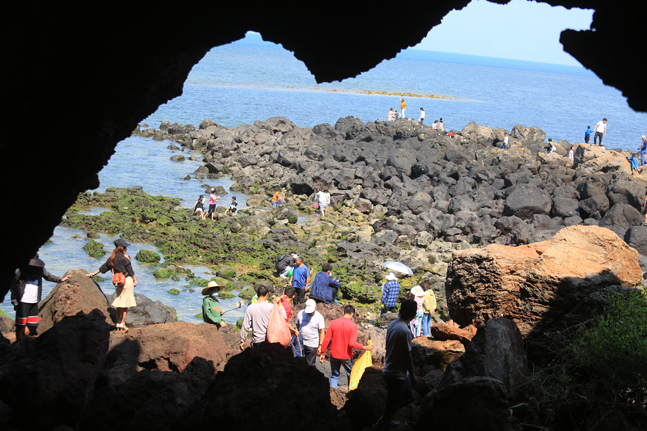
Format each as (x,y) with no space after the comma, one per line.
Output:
(643,149)
(300,280)
(551,146)
(600,131)
(276,198)
(390,292)
(211,312)
(198,209)
(285,264)
(418,297)
(27,292)
(422,116)
(571,154)
(322,199)
(342,337)
(506,139)
(403,107)
(312,327)
(119,262)
(213,198)
(634,163)
(286,301)
(233,207)
(428,308)
(398,371)
(391,116)
(587,134)
(435,125)
(324,286)
(257,316)
(441,126)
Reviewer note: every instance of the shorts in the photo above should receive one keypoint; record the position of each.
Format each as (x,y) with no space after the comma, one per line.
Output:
(27,314)
(212,208)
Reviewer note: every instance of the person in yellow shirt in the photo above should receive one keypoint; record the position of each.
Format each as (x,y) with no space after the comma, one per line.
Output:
(403,106)
(428,307)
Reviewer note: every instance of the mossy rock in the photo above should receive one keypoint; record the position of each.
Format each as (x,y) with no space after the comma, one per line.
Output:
(247,293)
(94,249)
(173,291)
(223,294)
(227,273)
(147,256)
(163,273)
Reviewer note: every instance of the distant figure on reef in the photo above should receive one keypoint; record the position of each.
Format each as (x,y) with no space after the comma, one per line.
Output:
(213,198)
(398,371)
(119,261)
(322,198)
(211,312)
(441,126)
(390,292)
(600,131)
(27,292)
(506,139)
(391,116)
(300,280)
(324,287)
(428,307)
(403,107)
(551,146)
(257,316)
(643,149)
(276,199)
(587,134)
(233,206)
(342,337)
(634,163)
(198,209)
(571,154)
(422,116)
(285,264)
(435,125)
(312,327)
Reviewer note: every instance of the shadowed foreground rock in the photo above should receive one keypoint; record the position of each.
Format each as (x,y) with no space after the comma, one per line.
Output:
(535,285)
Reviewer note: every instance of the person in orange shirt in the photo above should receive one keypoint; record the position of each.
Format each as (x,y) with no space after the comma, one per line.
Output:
(403,106)
(342,337)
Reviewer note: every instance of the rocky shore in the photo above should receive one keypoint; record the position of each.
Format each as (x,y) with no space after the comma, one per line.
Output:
(517,243)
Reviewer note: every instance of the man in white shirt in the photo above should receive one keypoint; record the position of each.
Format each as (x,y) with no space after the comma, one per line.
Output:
(600,131)
(312,328)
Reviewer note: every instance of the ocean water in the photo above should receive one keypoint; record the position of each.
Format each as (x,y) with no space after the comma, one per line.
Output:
(251,80)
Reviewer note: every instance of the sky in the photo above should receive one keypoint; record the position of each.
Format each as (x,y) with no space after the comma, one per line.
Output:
(520,30)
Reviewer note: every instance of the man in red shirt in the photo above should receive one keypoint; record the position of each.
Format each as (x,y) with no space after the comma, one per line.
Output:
(342,336)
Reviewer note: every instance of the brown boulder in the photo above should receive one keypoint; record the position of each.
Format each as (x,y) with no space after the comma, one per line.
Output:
(79,293)
(443,332)
(435,353)
(536,284)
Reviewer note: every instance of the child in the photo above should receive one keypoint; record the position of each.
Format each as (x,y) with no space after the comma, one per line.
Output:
(634,163)
(587,134)
(199,208)
(233,206)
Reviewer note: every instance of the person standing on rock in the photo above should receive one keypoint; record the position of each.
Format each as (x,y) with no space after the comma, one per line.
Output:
(587,134)
(391,116)
(211,312)
(27,292)
(441,126)
(324,287)
(312,327)
(398,371)
(643,149)
(213,198)
(428,307)
(119,261)
(600,132)
(419,298)
(506,139)
(257,316)
(342,338)
(300,280)
(403,107)
(422,116)
(390,292)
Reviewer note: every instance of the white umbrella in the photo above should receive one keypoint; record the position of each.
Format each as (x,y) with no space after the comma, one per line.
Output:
(399,267)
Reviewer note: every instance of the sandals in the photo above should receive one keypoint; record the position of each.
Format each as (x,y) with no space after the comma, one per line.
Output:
(121,327)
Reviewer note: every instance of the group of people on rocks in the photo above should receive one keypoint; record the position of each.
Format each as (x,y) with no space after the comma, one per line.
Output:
(393,115)
(199,209)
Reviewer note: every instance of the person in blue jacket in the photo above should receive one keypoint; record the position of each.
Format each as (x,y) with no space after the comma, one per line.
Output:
(324,286)
(643,149)
(634,164)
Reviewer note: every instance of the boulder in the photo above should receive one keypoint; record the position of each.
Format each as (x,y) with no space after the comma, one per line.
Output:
(526,200)
(146,312)
(535,284)
(435,353)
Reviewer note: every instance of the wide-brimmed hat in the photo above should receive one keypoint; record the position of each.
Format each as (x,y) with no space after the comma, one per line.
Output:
(311,305)
(417,291)
(121,243)
(391,276)
(35,261)
(211,287)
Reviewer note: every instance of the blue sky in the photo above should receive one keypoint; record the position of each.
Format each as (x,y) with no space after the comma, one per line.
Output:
(520,30)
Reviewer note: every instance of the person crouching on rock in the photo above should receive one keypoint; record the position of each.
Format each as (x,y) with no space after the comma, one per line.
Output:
(26,293)
(119,261)
(211,312)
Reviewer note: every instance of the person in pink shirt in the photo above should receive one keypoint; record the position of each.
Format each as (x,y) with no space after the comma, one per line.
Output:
(342,337)
(212,203)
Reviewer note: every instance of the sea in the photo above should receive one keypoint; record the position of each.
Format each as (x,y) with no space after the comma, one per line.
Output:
(251,79)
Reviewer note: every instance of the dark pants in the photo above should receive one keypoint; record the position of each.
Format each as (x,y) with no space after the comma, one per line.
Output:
(300,296)
(335,369)
(398,394)
(595,138)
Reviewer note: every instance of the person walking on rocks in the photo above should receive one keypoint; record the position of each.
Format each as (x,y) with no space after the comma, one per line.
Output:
(428,308)
(300,280)
(323,200)
(324,287)
(600,132)
(390,292)
(398,371)
(341,335)
(587,134)
(119,261)
(257,316)
(213,198)
(643,149)
(26,293)
(211,312)
(422,116)
(312,327)
(403,107)
(198,209)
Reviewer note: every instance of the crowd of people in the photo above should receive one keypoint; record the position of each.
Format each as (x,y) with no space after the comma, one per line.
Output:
(395,114)
(199,209)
